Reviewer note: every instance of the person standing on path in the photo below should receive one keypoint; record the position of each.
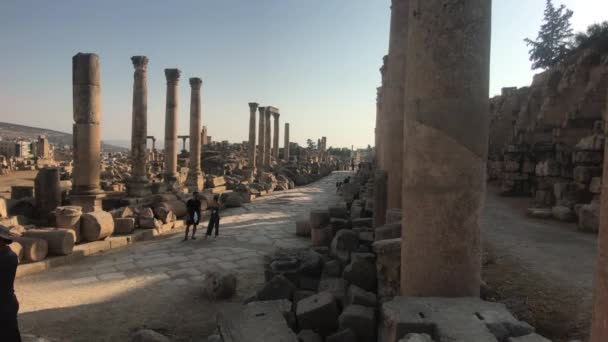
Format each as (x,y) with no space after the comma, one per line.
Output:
(214,219)
(194,215)
(9,306)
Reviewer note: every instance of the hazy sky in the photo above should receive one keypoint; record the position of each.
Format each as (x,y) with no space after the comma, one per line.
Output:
(317,60)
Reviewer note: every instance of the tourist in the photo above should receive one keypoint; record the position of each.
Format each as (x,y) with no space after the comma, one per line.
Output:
(194,214)
(214,219)
(9,306)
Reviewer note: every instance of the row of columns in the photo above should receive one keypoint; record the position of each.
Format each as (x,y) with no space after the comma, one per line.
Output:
(87,139)
(267,148)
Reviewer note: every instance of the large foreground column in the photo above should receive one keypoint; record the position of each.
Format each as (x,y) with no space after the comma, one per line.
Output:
(393,102)
(87,140)
(446,134)
(137,184)
(275,136)
(599,329)
(286,148)
(170,173)
(267,141)
(262,136)
(194,181)
(253,107)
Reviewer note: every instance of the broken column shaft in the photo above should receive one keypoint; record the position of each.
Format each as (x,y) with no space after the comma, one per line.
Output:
(194,180)
(253,107)
(446,130)
(87,140)
(170,173)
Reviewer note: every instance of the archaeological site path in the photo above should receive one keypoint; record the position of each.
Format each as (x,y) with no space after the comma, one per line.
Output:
(157,284)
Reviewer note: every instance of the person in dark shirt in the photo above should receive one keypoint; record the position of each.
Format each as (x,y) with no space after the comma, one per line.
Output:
(9,306)
(194,215)
(214,219)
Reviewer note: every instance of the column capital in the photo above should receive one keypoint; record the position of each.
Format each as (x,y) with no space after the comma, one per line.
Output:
(262,110)
(140,62)
(172,75)
(196,82)
(275,114)
(253,106)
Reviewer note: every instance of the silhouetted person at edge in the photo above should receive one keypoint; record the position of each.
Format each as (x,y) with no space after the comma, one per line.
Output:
(214,220)
(9,306)
(194,214)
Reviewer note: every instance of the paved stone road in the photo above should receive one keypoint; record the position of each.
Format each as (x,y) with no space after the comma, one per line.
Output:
(157,283)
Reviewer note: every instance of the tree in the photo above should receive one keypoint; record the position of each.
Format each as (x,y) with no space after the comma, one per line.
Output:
(596,33)
(311,144)
(554,39)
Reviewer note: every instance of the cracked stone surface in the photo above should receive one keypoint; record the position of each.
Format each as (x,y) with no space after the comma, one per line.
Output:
(158,283)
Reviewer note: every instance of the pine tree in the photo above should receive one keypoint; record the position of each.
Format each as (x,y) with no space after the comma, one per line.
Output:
(554,39)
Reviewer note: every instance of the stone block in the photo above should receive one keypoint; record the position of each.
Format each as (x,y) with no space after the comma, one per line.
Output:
(583,174)
(528,338)
(318,313)
(332,268)
(357,296)
(388,231)
(124,225)
(416,338)
(237,323)
(361,273)
(361,320)
(319,219)
(589,217)
(321,236)
(278,287)
(339,212)
(363,222)
(219,285)
(587,157)
(309,336)
(339,224)
(449,319)
(343,244)
(303,228)
(595,187)
(3,208)
(345,335)
(149,223)
(367,256)
(283,306)
(388,267)
(96,225)
(542,213)
(562,213)
(335,286)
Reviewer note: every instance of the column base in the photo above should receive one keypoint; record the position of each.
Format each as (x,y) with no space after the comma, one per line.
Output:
(89,203)
(195,182)
(172,181)
(138,187)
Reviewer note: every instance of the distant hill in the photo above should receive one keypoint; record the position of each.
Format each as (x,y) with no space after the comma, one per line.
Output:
(10,131)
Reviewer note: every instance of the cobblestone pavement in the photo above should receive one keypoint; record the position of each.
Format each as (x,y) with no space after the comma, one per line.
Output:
(157,283)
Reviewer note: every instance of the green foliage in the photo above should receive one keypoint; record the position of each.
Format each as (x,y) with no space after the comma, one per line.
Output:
(340,152)
(595,34)
(311,144)
(554,38)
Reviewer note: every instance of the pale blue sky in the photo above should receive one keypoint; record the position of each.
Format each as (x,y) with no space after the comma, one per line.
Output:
(317,60)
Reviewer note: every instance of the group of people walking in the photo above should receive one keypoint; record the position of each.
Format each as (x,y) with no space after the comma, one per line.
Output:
(194,216)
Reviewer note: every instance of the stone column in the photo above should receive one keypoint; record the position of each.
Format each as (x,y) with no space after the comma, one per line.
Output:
(377,129)
(380,183)
(153,151)
(286,148)
(170,173)
(194,181)
(393,93)
(275,136)
(253,107)
(381,117)
(47,189)
(262,136)
(446,130)
(87,139)
(599,327)
(267,147)
(137,184)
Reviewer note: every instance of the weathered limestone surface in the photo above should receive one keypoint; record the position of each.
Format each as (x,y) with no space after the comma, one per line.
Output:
(136,185)
(393,102)
(262,137)
(253,107)
(170,176)
(87,136)
(450,319)
(195,181)
(446,117)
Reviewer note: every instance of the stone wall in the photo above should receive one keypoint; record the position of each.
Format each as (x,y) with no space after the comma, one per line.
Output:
(546,140)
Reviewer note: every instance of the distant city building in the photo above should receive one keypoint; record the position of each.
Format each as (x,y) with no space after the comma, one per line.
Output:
(20,149)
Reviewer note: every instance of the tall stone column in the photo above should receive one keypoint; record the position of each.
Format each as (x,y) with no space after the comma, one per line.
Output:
(87,138)
(194,180)
(170,174)
(377,129)
(253,107)
(599,327)
(267,141)
(381,117)
(446,135)
(286,148)
(393,93)
(137,184)
(275,136)
(262,136)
